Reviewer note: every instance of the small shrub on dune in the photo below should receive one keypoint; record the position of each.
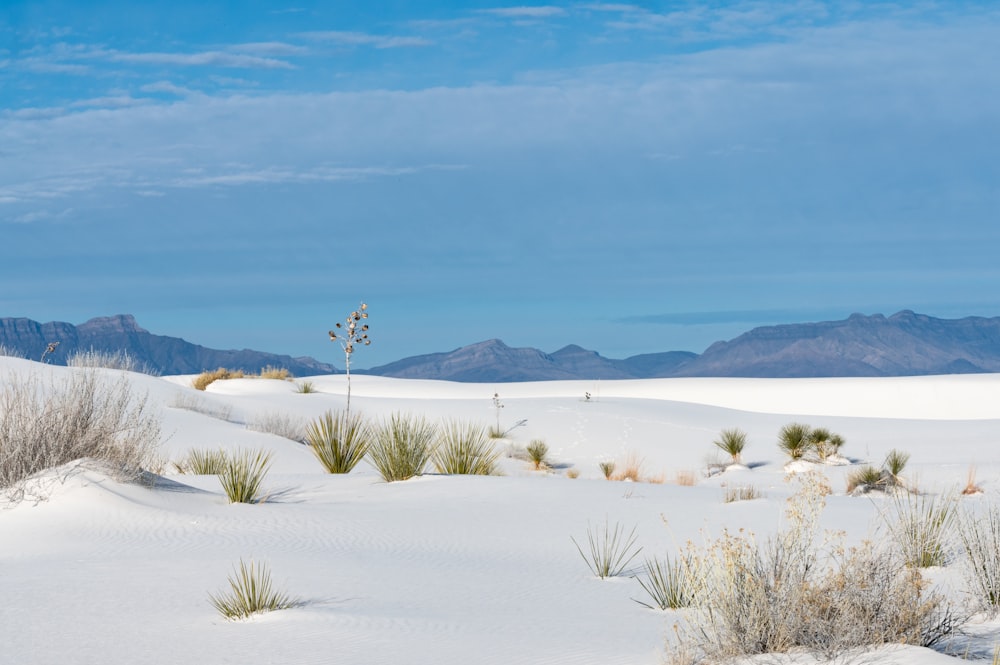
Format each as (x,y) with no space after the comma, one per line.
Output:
(980,539)
(607,468)
(205,379)
(538,452)
(746,493)
(122,360)
(667,583)
(10,352)
(794,441)
(971,488)
(401,447)
(893,467)
(81,416)
(339,440)
(609,551)
(921,527)
(864,480)
(573,473)
(494,432)
(203,462)
(465,448)
(277,373)
(250,592)
(685,478)
(243,474)
(819,441)
(279,424)
(305,387)
(732,442)
(631,468)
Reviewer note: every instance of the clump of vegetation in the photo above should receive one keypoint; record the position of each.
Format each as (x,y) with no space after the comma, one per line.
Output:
(279,424)
(607,468)
(668,583)
(277,373)
(868,478)
(81,416)
(971,487)
(250,592)
(609,551)
(921,527)
(198,404)
(402,447)
(202,462)
(980,540)
(205,379)
(538,452)
(122,360)
(573,473)
(631,469)
(745,493)
(242,475)
(732,442)
(305,387)
(799,442)
(793,440)
(339,440)
(465,448)
(352,332)
(685,478)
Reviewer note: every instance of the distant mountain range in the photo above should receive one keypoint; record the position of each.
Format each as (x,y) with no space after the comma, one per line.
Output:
(903,344)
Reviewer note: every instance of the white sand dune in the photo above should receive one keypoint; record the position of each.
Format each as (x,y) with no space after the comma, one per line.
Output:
(445,569)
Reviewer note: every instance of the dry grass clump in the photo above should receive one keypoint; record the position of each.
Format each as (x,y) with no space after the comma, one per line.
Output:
(80,416)
(122,360)
(465,448)
(971,488)
(607,468)
(277,373)
(609,551)
(197,404)
(279,424)
(401,447)
(10,352)
(788,595)
(630,469)
(205,379)
(339,440)
(745,493)
(250,592)
(573,473)
(202,462)
(686,478)
(922,526)
(980,540)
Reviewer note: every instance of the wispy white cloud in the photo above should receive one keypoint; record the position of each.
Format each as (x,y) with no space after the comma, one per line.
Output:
(203,59)
(110,101)
(270,48)
(609,7)
(365,39)
(541,11)
(41,65)
(169,88)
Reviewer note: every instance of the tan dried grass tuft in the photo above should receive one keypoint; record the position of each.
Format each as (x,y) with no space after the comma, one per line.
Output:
(685,478)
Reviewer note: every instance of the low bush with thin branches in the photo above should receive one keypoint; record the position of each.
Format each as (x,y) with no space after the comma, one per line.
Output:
(199,404)
(609,550)
(82,415)
(402,447)
(980,540)
(339,440)
(742,493)
(122,360)
(280,424)
(465,448)
(250,592)
(243,474)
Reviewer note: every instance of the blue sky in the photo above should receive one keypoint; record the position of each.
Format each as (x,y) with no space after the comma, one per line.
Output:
(628,177)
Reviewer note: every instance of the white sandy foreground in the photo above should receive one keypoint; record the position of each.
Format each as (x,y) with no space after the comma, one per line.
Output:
(449,570)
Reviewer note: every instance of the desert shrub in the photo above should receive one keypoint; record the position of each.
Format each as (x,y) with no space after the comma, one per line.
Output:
(464,448)
(10,352)
(864,479)
(204,379)
(922,526)
(970,483)
(745,493)
(819,441)
(339,440)
(609,551)
(279,424)
(80,416)
(732,442)
(786,595)
(198,404)
(122,360)
(980,539)
(242,475)
(538,451)
(607,468)
(202,462)
(667,583)
(868,478)
(495,432)
(305,387)
(401,447)
(895,462)
(279,373)
(685,478)
(250,592)
(630,469)
(794,441)
(573,473)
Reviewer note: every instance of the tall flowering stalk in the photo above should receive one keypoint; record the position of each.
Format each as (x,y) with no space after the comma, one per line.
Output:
(349,333)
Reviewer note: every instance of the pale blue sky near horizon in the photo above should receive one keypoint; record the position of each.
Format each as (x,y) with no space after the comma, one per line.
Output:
(632,178)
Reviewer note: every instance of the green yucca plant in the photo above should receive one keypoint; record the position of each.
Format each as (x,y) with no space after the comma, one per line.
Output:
(819,440)
(401,447)
(609,551)
(922,526)
(339,440)
(250,592)
(732,442)
(793,440)
(242,475)
(607,468)
(893,466)
(203,462)
(305,387)
(465,448)
(538,450)
(865,478)
(666,583)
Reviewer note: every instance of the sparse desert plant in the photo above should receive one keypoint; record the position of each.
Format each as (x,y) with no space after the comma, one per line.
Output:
(573,473)
(667,583)
(250,592)
(631,468)
(305,387)
(339,440)
(122,360)
(732,442)
(194,402)
(494,432)
(278,373)
(205,379)
(835,443)
(203,462)
(538,452)
(10,352)
(819,441)
(279,424)
(980,539)
(242,475)
(895,462)
(352,332)
(685,478)
(607,468)
(609,551)
(793,440)
(401,447)
(464,448)
(970,483)
(744,493)
(922,526)
(83,415)
(864,479)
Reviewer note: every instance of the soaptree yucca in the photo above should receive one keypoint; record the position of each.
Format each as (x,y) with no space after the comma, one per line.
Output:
(351,332)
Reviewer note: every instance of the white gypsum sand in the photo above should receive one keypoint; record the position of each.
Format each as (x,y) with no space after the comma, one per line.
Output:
(449,570)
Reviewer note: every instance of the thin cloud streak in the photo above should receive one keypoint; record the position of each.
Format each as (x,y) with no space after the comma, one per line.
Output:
(364,39)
